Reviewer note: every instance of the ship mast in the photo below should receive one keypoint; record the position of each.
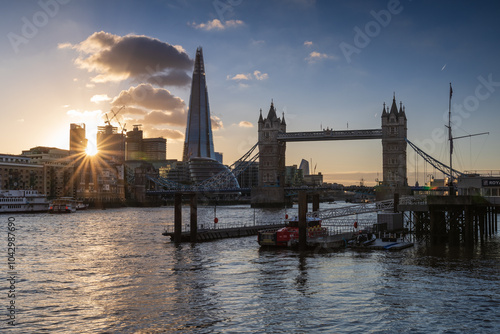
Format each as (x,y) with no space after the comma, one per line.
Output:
(450,184)
(451,144)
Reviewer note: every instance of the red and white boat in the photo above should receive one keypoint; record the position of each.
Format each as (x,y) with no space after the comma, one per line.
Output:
(289,235)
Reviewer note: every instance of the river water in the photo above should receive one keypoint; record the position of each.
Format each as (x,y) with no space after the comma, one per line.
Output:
(112,271)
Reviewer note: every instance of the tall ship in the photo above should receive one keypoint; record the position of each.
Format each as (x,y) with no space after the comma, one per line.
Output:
(22,201)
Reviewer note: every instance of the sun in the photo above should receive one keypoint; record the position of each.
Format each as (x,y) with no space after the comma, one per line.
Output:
(91,149)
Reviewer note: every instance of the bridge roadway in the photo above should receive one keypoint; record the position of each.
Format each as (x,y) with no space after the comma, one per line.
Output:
(196,189)
(330,135)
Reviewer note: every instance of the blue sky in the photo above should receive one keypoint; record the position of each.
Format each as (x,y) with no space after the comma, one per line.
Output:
(324,63)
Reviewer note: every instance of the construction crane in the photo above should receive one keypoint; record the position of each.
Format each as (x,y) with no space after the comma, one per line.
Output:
(108,120)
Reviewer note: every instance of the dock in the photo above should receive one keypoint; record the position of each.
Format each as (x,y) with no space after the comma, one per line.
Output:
(223,233)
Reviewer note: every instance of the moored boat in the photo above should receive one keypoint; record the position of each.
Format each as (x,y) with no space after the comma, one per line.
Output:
(81,206)
(63,205)
(22,201)
(289,235)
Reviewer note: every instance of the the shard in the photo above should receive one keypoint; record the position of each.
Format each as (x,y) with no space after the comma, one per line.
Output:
(199,141)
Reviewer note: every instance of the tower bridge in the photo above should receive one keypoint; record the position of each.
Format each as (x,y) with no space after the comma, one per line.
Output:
(272,147)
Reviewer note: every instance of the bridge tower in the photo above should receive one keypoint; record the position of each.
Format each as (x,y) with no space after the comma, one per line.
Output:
(270,191)
(394,130)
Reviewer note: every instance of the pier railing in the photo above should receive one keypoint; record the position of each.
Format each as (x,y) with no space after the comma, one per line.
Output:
(351,210)
(220,226)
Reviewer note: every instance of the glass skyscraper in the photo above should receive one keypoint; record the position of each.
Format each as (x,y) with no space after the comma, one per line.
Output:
(199,141)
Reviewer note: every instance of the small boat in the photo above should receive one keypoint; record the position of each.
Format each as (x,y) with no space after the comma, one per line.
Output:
(63,205)
(289,235)
(368,240)
(81,206)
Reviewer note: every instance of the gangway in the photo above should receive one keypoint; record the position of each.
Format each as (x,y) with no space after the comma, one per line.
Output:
(387,205)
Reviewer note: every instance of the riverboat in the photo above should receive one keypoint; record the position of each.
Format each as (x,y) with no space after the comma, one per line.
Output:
(289,235)
(63,205)
(22,201)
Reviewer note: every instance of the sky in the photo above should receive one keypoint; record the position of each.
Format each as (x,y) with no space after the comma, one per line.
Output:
(323,63)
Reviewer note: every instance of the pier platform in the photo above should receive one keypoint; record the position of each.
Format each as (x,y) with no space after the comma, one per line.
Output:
(223,233)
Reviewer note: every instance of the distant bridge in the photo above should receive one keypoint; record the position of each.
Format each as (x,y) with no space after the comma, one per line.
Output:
(217,183)
(330,135)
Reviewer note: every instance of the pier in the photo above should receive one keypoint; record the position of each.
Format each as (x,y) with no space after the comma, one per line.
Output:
(452,219)
(222,233)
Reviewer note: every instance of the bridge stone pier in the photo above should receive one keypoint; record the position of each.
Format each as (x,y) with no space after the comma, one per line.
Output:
(272,147)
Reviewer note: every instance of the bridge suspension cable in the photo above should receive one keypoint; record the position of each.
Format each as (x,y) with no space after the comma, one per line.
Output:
(432,161)
(218,181)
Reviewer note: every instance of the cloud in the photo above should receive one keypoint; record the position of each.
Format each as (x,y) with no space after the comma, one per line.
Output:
(133,111)
(145,104)
(157,117)
(317,56)
(245,124)
(148,105)
(117,58)
(165,133)
(84,114)
(258,75)
(257,42)
(149,97)
(174,78)
(216,24)
(100,98)
(216,123)
(308,43)
(240,76)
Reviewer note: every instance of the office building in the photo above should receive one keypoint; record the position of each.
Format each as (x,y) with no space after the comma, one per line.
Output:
(199,140)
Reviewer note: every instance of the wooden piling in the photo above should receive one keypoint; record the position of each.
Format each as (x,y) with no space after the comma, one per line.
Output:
(481,225)
(495,218)
(193,217)
(438,227)
(177,217)
(302,220)
(454,225)
(315,199)
(396,202)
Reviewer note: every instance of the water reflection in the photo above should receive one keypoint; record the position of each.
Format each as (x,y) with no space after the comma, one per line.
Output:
(113,271)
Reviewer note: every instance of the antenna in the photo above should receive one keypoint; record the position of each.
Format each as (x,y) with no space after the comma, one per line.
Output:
(452,192)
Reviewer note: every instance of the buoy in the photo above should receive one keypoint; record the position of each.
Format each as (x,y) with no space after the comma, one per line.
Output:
(355,224)
(216,220)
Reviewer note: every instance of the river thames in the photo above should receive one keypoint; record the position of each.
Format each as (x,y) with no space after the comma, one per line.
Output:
(112,271)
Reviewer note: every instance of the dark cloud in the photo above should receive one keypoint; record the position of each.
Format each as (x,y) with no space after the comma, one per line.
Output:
(160,117)
(149,97)
(132,56)
(173,78)
(148,105)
